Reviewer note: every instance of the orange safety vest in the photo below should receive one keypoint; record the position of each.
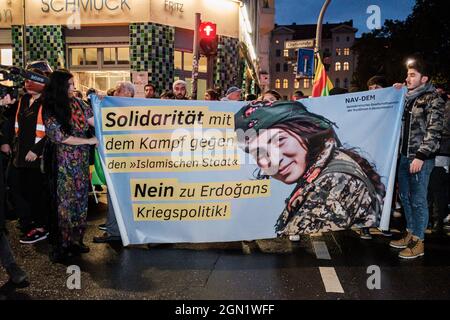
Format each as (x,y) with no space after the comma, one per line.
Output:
(40,128)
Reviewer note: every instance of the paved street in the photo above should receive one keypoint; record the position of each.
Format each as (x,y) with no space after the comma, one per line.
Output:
(222,271)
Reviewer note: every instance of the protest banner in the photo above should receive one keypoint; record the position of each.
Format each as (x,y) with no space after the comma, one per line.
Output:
(176,171)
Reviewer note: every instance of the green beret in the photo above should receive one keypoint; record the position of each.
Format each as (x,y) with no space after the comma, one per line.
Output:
(263,115)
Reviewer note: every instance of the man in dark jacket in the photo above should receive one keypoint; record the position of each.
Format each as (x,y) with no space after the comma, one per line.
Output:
(420,137)
(25,139)
(16,274)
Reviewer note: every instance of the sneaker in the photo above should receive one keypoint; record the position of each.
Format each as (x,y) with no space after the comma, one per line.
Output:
(106,238)
(34,236)
(397,214)
(102,227)
(386,233)
(401,243)
(414,249)
(295,237)
(16,274)
(447,226)
(364,233)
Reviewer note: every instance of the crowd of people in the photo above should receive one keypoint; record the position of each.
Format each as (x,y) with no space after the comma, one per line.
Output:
(47,142)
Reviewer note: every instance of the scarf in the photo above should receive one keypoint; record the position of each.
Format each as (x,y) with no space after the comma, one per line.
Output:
(420,90)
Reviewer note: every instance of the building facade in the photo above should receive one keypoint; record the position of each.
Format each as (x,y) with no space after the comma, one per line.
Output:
(105,41)
(261,14)
(339,60)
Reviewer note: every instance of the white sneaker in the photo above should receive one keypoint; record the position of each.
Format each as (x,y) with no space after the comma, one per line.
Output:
(295,237)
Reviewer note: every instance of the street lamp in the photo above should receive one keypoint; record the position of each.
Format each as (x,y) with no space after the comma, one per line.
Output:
(409,61)
(319,26)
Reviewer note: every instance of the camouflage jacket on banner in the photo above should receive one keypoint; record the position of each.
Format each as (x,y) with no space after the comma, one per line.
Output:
(331,200)
(425,127)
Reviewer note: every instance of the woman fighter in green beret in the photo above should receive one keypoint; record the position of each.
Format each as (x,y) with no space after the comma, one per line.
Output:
(335,188)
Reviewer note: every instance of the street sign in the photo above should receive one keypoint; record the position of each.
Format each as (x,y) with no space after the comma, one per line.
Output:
(305,63)
(295,44)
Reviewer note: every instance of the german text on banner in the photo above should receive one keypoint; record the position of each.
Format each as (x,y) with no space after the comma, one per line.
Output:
(189,171)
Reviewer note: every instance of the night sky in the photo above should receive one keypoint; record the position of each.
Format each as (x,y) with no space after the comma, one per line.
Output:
(307,11)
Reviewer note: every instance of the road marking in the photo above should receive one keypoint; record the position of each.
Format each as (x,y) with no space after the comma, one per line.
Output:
(330,280)
(321,250)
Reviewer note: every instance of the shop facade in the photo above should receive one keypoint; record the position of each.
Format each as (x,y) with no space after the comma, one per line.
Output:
(105,41)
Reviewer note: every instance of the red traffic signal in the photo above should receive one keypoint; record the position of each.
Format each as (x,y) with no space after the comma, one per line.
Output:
(208,30)
(208,38)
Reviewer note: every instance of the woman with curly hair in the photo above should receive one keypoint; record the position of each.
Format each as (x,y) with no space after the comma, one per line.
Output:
(335,188)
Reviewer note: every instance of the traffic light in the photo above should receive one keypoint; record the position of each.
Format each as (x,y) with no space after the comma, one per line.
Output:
(208,38)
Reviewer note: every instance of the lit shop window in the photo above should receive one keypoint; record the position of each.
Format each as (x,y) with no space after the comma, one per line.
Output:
(77,57)
(6,58)
(277,84)
(123,55)
(183,61)
(100,80)
(346,66)
(285,84)
(90,57)
(110,56)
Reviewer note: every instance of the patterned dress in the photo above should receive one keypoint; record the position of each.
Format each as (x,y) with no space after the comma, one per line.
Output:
(72,176)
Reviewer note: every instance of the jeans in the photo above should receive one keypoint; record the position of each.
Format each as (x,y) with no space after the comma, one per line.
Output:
(413,189)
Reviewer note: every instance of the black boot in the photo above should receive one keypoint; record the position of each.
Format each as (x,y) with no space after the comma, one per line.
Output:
(17,275)
(83,248)
(438,228)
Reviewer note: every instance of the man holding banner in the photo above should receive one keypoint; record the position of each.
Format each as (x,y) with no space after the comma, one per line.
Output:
(421,133)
